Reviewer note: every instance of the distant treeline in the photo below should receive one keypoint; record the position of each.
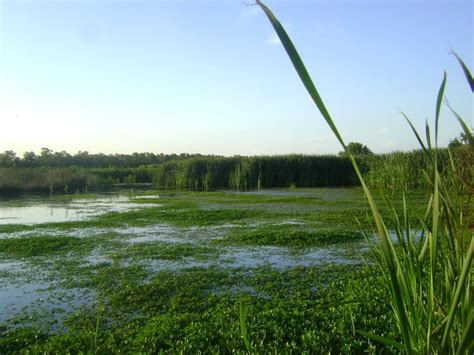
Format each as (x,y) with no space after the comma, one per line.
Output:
(49,158)
(394,170)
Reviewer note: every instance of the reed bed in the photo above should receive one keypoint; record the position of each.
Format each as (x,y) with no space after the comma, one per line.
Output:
(244,173)
(48,180)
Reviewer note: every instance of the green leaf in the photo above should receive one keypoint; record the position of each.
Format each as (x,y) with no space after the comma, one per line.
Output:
(383,340)
(390,257)
(462,284)
(243,326)
(463,124)
(467,73)
(438,107)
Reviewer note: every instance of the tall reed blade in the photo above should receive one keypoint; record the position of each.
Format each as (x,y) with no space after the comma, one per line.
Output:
(243,326)
(385,241)
(466,70)
(419,296)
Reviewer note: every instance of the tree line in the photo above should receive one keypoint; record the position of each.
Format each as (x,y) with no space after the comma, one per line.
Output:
(49,158)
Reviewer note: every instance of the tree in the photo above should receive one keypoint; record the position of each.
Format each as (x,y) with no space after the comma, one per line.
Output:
(8,158)
(29,159)
(459,141)
(357,149)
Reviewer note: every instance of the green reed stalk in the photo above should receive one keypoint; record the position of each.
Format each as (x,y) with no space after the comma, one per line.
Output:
(425,308)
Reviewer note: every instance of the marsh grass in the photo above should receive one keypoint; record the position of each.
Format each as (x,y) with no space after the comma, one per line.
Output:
(429,279)
(48,180)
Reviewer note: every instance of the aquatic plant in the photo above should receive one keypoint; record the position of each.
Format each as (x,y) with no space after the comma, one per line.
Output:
(429,279)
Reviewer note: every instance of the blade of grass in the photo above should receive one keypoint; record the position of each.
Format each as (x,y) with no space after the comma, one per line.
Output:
(438,107)
(463,124)
(467,73)
(383,340)
(420,141)
(243,326)
(386,243)
(459,289)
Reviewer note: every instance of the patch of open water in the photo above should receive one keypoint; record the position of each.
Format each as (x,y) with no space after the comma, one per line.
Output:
(34,211)
(22,301)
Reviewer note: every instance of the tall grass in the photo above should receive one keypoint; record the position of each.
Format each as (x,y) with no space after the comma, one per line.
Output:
(243,173)
(43,180)
(429,278)
(406,170)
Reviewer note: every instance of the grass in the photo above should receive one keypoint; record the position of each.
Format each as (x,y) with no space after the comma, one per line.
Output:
(14,181)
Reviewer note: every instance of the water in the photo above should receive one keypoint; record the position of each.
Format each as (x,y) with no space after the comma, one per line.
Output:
(36,211)
(33,298)
(30,287)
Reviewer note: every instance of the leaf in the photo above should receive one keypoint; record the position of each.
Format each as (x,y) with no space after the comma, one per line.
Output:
(462,284)
(463,124)
(438,106)
(383,340)
(467,73)
(243,326)
(386,244)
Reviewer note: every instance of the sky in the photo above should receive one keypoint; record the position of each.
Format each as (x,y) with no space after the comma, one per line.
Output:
(211,77)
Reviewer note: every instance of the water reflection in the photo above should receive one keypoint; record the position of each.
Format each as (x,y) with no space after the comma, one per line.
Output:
(35,211)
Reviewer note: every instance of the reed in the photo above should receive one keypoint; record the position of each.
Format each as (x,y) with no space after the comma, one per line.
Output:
(428,276)
(244,173)
(44,180)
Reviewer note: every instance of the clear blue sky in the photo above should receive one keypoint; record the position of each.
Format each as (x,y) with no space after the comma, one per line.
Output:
(210,77)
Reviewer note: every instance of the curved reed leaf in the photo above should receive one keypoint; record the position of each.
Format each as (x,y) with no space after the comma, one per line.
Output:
(467,73)
(418,294)
(390,257)
(438,107)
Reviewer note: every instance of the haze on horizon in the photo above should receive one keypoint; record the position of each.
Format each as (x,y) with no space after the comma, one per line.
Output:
(211,77)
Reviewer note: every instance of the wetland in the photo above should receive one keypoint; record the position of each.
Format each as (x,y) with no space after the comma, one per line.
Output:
(151,270)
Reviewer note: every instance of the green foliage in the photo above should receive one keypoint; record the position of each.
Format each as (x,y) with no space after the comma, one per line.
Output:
(40,246)
(299,310)
(393,170)
(244,173)
(406,170)
(357,149)
(49,158)
(294,238)
(155,301)
(164,251)
(19,180)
